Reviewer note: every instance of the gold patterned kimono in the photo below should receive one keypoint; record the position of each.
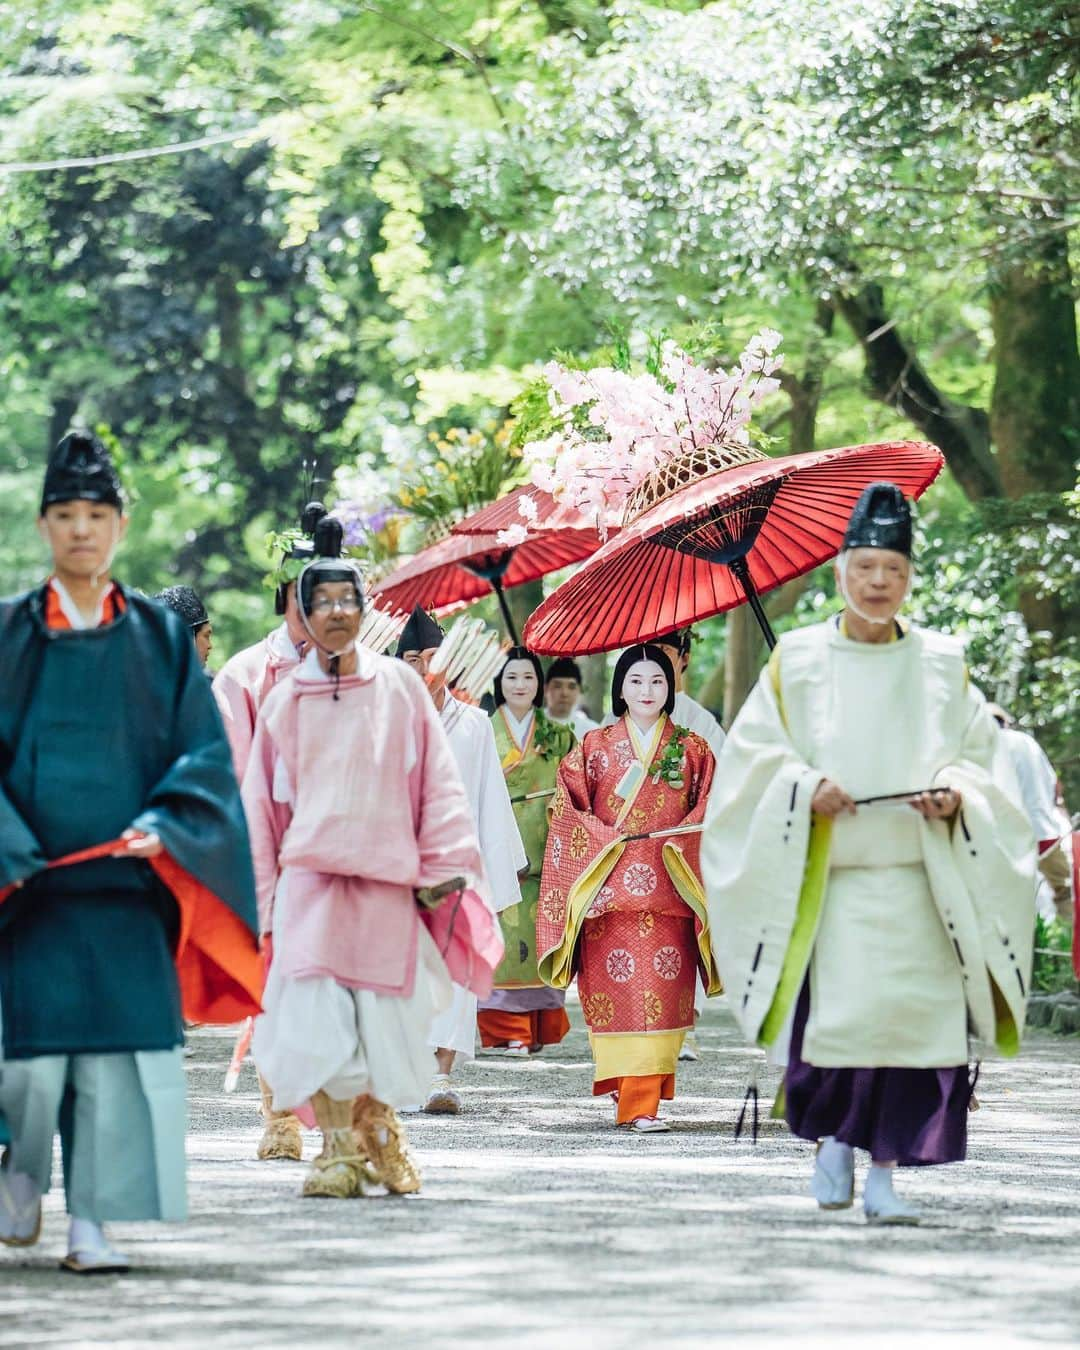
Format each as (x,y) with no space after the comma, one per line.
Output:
(628,915)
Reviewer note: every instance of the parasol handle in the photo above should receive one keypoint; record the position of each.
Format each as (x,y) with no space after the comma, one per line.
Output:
(741,571)
(504,606)
(493,569)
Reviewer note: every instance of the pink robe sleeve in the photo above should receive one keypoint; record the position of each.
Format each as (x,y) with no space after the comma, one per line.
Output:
(267,821)
(237,707)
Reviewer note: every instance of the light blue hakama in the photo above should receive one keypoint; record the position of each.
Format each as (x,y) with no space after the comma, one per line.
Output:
(121,1118)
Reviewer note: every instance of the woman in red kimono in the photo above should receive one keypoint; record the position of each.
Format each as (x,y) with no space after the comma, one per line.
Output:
(627,913)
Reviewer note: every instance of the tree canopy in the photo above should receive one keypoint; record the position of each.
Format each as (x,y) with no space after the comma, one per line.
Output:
(259,244)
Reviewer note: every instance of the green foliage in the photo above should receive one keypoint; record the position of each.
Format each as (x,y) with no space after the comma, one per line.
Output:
(473,467)
(974,564)
(431,201)
(1052,967)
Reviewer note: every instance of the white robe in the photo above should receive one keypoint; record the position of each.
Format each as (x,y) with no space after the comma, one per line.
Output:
(690,714)
(579,722)
(473,743)
(1037,781)
(910,930)
(1038,792)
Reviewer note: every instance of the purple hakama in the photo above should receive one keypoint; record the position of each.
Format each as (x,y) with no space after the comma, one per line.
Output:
(914,1117)
(524,1000)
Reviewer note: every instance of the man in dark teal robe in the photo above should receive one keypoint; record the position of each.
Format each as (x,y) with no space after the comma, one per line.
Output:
(109,742)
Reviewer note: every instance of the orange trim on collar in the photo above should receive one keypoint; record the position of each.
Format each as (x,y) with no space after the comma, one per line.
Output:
(56,618)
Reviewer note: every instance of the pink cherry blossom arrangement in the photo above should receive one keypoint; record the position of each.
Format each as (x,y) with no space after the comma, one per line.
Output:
(613,428)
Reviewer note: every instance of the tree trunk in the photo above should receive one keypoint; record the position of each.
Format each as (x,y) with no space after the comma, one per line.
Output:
(894,376)
(594,685)
(710,694)
(1035,405)
(742,659)
(236,411)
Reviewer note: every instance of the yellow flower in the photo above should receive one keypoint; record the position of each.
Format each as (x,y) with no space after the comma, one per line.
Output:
(433,436)
(405,497)
(421,491)
(453,434)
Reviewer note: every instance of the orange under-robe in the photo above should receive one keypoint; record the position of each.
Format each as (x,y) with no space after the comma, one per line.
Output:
(547,1026)
(641,1095)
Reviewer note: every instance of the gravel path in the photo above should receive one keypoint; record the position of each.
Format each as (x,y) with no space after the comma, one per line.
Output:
(541,1226)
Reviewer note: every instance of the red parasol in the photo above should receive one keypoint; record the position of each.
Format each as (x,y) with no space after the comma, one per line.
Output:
(547,515)
(466,567)
(712,531)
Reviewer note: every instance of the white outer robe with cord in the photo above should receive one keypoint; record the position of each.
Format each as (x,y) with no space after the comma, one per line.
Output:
(472,741)
(908,930)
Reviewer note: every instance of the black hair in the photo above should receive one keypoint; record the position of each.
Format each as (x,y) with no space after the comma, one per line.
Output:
(303,549)
(521,654)
(643,652)
(679,638)
(564,668)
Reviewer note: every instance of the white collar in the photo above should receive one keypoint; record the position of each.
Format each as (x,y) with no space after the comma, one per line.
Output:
(519,727)
(367,665)
(645,739)
(71,610)
(310,668)
(281,644)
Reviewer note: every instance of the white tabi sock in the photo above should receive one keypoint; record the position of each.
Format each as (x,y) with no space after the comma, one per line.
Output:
(87,1236)
(878,1189)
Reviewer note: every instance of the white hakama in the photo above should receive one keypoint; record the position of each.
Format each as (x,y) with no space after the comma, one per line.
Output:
(318,1034)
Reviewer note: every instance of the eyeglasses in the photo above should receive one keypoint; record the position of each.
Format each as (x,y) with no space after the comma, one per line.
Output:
(348,604)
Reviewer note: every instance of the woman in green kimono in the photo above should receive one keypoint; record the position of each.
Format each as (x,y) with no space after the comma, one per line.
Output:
(522,1014)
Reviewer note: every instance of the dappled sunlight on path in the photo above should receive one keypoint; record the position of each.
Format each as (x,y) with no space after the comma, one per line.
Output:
(540,1225)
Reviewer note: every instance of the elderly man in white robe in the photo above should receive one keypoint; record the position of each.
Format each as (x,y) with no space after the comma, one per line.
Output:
(453,1032)
(871,876)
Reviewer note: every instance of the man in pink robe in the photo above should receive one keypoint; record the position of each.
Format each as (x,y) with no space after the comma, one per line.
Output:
(243,682)
(356,808)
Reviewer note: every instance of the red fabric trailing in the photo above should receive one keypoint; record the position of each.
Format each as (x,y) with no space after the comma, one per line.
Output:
(1076,904)
(218,963)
